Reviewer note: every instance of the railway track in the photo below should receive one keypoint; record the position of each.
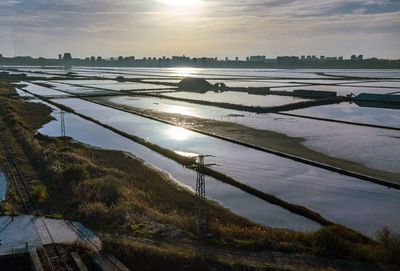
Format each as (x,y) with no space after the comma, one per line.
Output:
(55,256)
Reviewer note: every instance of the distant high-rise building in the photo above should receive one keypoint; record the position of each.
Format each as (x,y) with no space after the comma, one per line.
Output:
(287,59)
(330,58)
(67,57)
(257,58)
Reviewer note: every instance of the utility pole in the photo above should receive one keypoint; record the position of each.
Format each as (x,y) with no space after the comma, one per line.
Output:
(62,122)
(201,206)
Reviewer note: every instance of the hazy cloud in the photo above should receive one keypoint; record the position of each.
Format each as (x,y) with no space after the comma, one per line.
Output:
(214,27)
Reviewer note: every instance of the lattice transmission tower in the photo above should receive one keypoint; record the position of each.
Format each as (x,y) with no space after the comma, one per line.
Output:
(62,122)
(201,206)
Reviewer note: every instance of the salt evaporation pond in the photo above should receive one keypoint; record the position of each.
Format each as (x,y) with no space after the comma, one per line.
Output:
(333,139)
(241,98)
(76,89)
(199,72)
(343,199)
(111,85)
(373,147)
(340,89)
(353,112)
(370,73)
(236,200)
(36,89)
(253,83)
(383,84)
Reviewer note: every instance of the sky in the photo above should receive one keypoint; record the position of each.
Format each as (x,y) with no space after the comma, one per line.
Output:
(214,28)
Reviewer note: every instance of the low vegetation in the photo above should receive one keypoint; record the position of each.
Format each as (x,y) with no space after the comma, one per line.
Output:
(116,194)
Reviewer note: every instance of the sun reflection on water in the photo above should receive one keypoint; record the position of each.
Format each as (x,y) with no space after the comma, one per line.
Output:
(183,110)
(185,72)
(178,133)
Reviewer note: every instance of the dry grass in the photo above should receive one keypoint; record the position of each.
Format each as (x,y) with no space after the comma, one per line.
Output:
(6,89)
(140,256)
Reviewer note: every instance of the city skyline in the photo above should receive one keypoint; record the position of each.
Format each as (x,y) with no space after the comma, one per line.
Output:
(221,28)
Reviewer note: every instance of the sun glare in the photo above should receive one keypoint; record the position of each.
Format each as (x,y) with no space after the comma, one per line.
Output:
(184,72)
(178,133)
(183,110)
(181,3)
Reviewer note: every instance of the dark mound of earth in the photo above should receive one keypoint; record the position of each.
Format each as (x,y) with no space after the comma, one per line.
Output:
(195,84)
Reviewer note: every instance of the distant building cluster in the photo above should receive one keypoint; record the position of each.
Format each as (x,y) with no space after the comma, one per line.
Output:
(177,60)
(253,61)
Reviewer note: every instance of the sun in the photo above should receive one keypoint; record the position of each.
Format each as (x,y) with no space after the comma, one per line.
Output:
(181,3)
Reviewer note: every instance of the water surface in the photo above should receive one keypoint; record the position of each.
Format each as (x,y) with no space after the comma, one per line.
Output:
(340,198)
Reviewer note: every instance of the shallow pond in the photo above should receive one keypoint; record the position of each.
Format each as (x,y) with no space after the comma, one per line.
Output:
(343,199)
(241,98)
(236,200)
(353,112)
(374,148)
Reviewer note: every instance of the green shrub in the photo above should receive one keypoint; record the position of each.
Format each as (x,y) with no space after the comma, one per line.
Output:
(110,190)
(337,241)
(39,193)
(75,174)
(141,230)
(390,244)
